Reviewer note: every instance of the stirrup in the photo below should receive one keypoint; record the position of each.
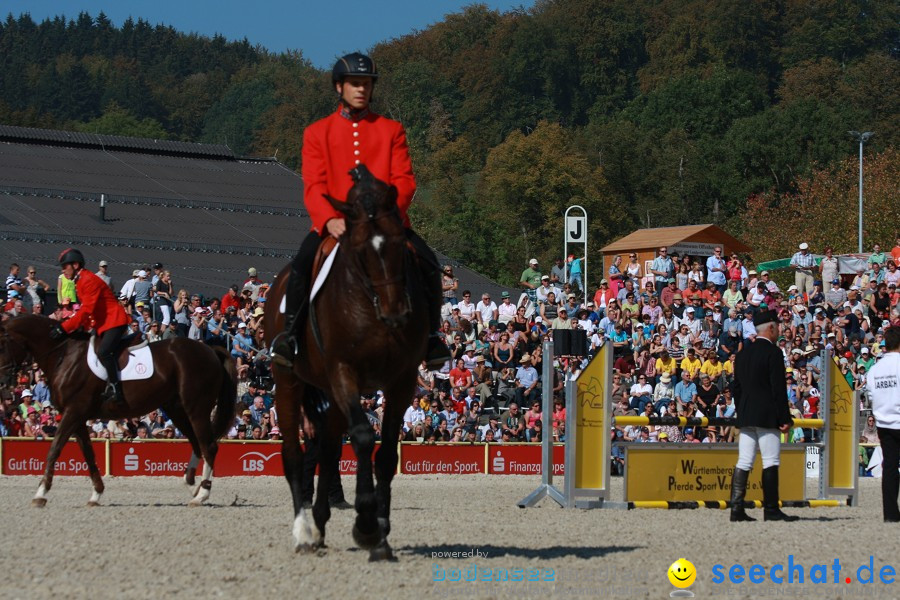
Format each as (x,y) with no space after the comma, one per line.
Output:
(287,343)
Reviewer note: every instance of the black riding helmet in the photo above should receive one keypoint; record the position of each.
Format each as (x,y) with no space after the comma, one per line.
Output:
(355,64)
(71,255)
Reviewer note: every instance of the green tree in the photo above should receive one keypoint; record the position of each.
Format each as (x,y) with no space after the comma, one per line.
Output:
(116,120)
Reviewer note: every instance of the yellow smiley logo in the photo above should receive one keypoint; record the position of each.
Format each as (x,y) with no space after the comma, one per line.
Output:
(682,573)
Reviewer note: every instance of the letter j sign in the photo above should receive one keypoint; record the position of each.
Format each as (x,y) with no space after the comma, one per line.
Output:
(576,229)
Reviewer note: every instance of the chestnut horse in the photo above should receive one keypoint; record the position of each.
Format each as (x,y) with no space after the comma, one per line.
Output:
(190,381)
(367,330)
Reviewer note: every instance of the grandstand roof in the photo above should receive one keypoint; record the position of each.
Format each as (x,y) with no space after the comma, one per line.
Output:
(204,213)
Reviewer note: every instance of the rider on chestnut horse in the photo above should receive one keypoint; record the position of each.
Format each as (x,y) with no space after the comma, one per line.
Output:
(99,310)
(331,148)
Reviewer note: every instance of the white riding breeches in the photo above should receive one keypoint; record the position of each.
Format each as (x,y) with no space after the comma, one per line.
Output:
(767,440)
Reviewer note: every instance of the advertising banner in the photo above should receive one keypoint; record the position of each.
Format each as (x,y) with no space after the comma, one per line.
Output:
(592,421)
(522,459)
(416,459)
(842,456)
(127,459)
(28,457)
(679,472)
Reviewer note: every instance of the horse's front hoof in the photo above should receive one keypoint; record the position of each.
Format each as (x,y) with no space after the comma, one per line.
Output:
(39,502)
(93,503)
(314,548)
(366,541)
(382,552)
(195,502)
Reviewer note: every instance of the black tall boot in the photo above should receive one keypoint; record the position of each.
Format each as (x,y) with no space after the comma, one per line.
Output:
(437,352)
(284,346)
(770,497)
(738,490)
(114,397)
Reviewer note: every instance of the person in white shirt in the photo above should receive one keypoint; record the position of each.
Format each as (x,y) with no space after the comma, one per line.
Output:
(486,310)
(884,392)
(466,306)
(506,310)
(545,288)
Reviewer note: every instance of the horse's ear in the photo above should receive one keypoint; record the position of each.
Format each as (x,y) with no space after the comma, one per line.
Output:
(341,207)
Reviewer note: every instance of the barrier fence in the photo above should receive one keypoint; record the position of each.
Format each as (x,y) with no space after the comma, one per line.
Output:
(691,475)
(165,458)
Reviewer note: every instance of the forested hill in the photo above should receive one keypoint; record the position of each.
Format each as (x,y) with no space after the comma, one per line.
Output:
(662,111)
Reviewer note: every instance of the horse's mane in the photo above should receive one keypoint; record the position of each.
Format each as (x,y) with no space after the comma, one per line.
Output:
(8,318)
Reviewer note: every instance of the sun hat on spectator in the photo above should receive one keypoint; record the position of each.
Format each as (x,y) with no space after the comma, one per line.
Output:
(810,349)
(103,263)
(479,358)
(796,351)
(539,319)
(504,295)
(533,261)
(864,350)
(135,272)
(677,297)
(689,309)
(258,312)
(526,358)
(793,288)
(751,272)
(764,273)
(275,431)
(26,393)
(45,404)
(242,326)
(142,273)
(251,272)
(547,277)
(663,435)
(31,409)
(804,246)
(247,412)
(665,378)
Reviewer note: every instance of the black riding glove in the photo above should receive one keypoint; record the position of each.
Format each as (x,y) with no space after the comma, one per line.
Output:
(57,332)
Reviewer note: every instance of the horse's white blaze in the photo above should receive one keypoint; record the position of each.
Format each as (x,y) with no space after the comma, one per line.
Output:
(377,242)
(95,497)
(305,531)
(41,492)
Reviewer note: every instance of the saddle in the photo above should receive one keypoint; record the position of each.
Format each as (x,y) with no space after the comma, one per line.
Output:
(134,358)
(129,342)
(326,246)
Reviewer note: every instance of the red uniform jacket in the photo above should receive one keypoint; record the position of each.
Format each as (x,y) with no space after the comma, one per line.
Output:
(99,308)
(334,145)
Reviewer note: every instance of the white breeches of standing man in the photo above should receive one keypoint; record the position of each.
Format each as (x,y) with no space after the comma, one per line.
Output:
(767,440)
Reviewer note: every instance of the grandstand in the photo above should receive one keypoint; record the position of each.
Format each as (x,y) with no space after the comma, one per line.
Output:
(200,210)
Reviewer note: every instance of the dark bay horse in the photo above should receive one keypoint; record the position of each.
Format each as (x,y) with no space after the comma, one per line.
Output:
(367,330)
(189,382)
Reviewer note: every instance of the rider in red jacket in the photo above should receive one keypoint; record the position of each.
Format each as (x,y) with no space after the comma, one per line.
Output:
(333,146)
(99,311)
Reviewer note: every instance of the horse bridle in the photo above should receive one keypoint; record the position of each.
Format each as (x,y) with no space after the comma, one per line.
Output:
(370,284)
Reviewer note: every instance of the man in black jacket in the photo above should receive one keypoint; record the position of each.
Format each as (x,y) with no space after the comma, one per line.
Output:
(762,411)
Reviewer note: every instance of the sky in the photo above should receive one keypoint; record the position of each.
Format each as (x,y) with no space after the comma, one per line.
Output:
(322,30)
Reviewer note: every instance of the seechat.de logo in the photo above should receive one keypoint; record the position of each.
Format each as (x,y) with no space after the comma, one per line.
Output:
(682,575)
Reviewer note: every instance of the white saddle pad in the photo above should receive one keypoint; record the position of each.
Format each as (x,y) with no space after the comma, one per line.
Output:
(140,363)
(320,278)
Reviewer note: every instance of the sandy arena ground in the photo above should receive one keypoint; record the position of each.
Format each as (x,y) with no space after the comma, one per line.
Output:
(145,543)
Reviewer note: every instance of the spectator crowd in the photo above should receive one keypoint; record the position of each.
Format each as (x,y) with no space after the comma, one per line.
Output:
(675,331)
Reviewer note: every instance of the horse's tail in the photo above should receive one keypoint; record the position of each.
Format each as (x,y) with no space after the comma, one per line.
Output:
(225,405)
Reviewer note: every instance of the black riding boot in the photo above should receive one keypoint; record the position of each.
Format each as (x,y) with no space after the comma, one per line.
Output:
(114,397)
(770,497)
(285,344)
(738,490)
(284,347)
(437,352)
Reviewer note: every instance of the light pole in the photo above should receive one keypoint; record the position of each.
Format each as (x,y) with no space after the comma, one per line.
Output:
(862,138)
